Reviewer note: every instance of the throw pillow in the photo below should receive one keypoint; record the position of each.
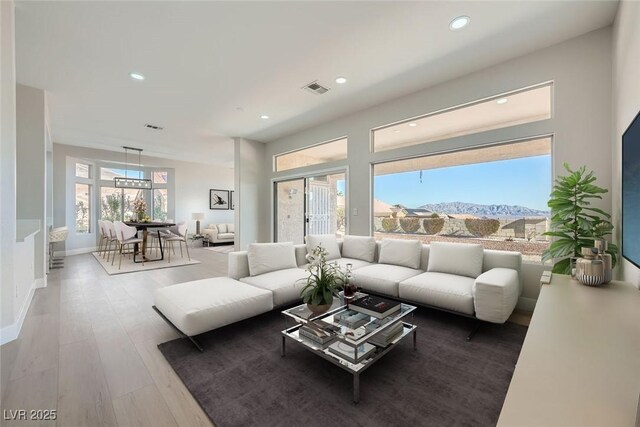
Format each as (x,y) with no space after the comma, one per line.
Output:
(222,228)
(231,228)
(328,242)
(462,259)
(359,247)
(405,253)
(267,257)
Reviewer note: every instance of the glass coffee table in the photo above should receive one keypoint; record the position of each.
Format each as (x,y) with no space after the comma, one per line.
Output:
(354,347)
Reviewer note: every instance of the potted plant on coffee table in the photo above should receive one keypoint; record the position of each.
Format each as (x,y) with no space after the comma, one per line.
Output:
(324,281)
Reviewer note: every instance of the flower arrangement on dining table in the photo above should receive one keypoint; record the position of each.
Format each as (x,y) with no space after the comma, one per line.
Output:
(324,281)
(140,209)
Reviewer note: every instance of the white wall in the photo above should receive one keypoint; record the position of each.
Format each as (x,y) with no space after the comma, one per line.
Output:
(581,71)
(7,162)
(192,184)
(31,167)
(249,177)
(626,104)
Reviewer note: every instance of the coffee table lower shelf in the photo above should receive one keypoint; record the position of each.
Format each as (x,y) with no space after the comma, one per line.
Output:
(354,368)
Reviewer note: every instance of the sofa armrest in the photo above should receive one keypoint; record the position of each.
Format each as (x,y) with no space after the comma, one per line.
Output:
(495,294)
(238,265)
(301,255)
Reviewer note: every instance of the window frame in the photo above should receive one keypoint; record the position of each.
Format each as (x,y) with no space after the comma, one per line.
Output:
(373,163)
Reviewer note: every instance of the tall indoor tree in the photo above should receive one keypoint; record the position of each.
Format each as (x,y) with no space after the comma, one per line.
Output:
(575,224)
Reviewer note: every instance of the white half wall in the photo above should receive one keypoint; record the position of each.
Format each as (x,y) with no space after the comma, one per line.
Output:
(626,104)
(581,124)
(192,182)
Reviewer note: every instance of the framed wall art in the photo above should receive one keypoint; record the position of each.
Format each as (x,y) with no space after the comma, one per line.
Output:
(218,199)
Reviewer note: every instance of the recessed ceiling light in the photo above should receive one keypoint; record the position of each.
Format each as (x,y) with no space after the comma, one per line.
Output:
(264,117)
(502,101)
(341,80)
(413,125)
(136,76)
(459,22)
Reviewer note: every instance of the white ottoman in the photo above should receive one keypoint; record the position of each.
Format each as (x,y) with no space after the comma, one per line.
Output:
(203,305)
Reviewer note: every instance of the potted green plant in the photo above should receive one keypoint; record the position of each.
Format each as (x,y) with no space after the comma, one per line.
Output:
(324,281)
(574,222)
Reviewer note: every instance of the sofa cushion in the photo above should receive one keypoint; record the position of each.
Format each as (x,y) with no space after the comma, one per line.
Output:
(328,242)
(359,247)
(212,227)
(266,257)
(202,305)
(382,278)
(448,291)
(222,228)
(226,235)
(463,259)
(405,253)
(231,228)
(285,284)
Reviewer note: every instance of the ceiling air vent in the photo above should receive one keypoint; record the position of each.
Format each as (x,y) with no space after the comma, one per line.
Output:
(154,127)
(316,88)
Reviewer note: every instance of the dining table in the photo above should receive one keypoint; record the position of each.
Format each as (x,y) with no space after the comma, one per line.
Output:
(144,227)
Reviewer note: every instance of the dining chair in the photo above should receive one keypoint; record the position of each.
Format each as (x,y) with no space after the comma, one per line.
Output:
(126,236)
(153,241)
(178,234)
(102,237)
(110,232)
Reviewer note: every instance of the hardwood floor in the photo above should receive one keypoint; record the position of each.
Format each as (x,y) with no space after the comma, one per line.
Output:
(88,348)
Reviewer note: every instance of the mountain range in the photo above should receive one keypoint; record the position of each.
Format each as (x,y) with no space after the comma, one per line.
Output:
(490,211)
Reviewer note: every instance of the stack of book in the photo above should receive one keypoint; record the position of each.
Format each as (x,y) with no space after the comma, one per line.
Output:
(351,319)
(384,338)
(348,352)
(378,323)
(375,306)
(317,334)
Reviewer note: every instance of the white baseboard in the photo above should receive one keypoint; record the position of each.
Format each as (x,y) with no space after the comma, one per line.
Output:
(11,332)
(76,251)
(526,304)
(40,283)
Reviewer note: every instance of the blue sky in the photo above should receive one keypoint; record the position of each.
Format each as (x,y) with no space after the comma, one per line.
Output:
(524,182)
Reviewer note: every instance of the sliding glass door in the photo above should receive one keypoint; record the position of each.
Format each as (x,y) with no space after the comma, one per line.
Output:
(310,205)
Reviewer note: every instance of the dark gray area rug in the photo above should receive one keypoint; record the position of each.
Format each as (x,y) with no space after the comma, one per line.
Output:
(241,379)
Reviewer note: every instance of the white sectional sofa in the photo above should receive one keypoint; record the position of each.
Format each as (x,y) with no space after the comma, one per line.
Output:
(219,233)
(461,278)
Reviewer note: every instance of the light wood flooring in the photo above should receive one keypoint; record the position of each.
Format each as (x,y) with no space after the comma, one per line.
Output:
(88,348)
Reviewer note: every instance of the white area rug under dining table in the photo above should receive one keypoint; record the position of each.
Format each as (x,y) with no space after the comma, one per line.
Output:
(128,266)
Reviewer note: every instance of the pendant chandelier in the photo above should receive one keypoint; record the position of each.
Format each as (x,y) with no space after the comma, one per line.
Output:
(135,183)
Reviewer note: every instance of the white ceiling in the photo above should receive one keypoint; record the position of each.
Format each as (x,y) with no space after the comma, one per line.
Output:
(203,60)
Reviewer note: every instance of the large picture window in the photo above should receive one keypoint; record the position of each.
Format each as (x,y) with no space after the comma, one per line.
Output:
(494,195)
(82,197)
